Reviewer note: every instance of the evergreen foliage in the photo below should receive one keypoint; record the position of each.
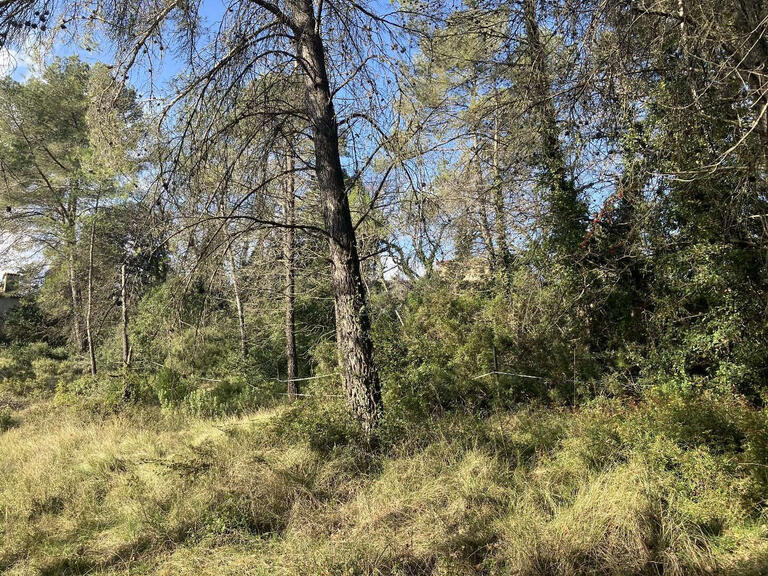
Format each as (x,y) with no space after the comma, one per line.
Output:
(435,288)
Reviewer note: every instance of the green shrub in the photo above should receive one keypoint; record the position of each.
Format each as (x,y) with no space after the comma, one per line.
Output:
(323,424)
(228,396)
(35,368)
(25,324)
(169,387)
(6,418)
(690,420)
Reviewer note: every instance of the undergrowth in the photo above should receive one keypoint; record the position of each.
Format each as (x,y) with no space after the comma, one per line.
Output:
(673,484)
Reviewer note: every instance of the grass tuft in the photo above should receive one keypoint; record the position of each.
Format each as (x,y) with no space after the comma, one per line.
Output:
(607,490)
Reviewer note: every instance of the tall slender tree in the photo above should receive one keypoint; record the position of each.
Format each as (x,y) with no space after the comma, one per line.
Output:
(289,261)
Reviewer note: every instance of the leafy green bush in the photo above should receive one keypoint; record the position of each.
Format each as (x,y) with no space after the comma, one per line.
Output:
(232,395)
(445,347)
(6,418)
(99,395)
(25,324)
(323,424)
(691,420)
(707,328)
(171,389)
(35,368)
(435,360)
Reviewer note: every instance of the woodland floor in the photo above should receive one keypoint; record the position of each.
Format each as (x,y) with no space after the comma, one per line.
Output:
(665,485)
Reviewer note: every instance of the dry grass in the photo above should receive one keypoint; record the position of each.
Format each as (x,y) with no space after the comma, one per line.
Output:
(534,492)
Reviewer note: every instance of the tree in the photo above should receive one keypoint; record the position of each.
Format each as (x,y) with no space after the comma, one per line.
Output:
(60,154)
(353,329)
(263,33)
(459,96)
(289,261)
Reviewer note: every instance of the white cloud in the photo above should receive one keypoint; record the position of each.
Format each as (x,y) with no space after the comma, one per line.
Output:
(21,64)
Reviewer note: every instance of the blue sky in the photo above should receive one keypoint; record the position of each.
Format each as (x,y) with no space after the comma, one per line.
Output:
(24,63)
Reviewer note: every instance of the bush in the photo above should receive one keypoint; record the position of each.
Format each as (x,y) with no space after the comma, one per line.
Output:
(231,395)
(690,420)
(323,424)
(34,368)
(169,387)
(6,418)
(26,324)
(420,378)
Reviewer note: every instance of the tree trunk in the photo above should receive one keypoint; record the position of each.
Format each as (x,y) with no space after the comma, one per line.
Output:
(353,331)
(566,214)
(89,309)
(238,305)
(127,384)
(124,316)
(292,372)
(235,287)
(504,256)
(74,291)
(476,172)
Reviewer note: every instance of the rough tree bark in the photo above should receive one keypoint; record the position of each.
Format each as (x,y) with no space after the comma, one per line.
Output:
(353,330)
(289,260)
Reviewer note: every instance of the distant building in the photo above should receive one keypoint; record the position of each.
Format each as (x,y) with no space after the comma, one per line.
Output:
(471,270)
(9,284)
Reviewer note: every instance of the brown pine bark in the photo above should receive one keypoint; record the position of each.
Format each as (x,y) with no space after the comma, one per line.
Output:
(353,326)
